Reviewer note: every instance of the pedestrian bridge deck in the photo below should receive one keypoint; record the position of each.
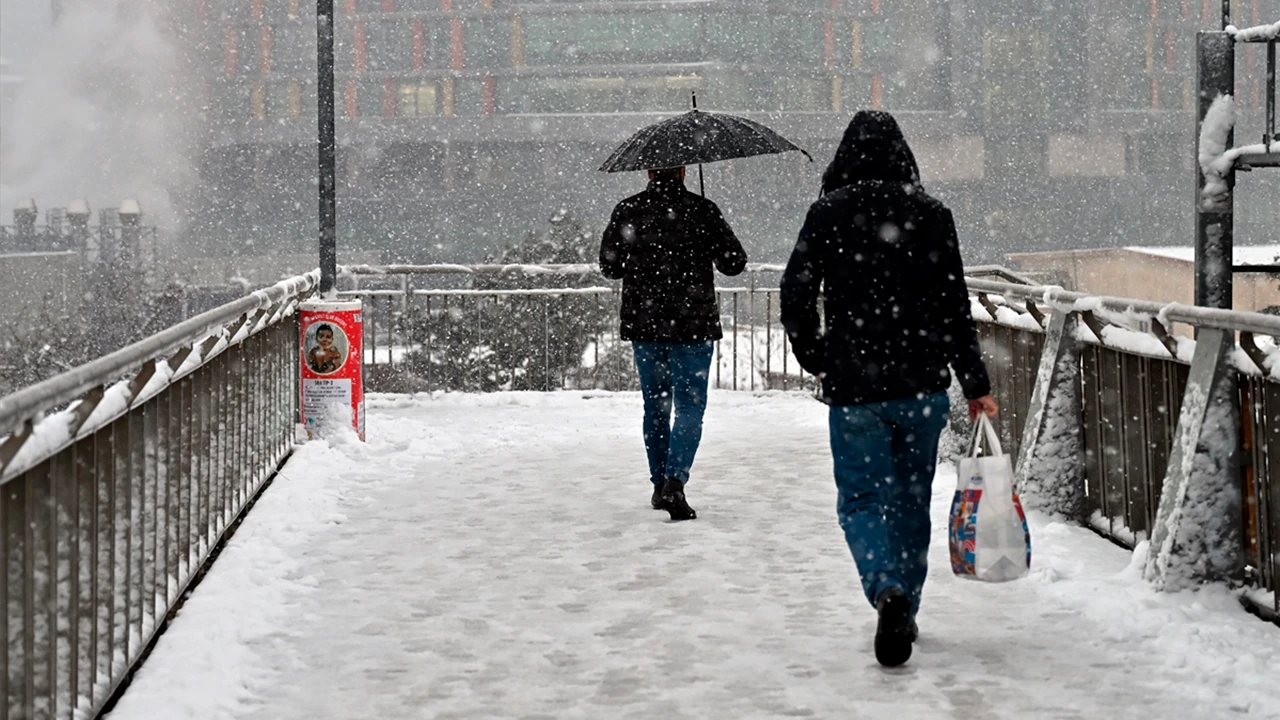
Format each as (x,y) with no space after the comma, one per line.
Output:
(494,556)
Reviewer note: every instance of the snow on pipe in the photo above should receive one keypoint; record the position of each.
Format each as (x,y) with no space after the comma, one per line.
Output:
(1257,33)
(1236,320)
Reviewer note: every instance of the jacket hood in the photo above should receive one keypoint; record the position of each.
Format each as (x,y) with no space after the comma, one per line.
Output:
(872,148)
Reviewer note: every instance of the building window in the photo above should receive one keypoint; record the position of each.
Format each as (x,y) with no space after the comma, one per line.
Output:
(293,47)
(369,98)
(389,45)
(594,94)
(611,38)
(417,100)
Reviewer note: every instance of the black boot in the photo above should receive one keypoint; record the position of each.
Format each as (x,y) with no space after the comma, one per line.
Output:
(656,501)
(674,502)
(895,633)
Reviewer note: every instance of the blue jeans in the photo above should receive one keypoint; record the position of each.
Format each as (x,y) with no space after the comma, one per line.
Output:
(679,372)
(885,455)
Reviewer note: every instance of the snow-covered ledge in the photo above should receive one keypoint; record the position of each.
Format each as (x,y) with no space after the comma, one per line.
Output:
(1257,33)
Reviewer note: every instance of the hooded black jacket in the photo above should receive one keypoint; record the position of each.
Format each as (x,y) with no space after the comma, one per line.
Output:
(886,258)
(665,245)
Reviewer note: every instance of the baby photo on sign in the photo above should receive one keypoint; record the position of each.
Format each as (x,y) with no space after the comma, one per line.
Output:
(326,348)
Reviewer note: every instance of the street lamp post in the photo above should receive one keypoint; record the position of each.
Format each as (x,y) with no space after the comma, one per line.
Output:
(331,331)
(328,172)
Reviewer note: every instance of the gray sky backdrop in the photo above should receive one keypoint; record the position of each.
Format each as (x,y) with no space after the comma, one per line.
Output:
(22,23)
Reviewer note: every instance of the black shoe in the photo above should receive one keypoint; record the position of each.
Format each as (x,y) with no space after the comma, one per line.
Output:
(914,632)
(894,633)
(674,502)
(656,501)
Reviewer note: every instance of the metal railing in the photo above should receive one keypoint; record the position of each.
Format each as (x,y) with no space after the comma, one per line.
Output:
(98,242)
(117,479)
(424,332)
(1133,371)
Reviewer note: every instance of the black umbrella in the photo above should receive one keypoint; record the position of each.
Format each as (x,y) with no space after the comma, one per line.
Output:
(694,138)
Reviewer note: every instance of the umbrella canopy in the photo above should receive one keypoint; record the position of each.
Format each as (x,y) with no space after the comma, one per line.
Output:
(694,138)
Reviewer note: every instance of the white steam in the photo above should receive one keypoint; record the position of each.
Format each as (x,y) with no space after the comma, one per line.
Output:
(109,109)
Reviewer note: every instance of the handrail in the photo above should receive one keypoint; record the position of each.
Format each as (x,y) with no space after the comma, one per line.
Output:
(978,271)
(500,268)
(29,402)
(1235,320)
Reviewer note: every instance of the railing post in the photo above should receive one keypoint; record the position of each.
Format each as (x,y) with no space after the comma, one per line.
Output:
(1197,533)
(1215,76)
(1050,465)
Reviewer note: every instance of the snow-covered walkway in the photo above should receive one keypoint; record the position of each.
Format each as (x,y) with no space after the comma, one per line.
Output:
(494,556)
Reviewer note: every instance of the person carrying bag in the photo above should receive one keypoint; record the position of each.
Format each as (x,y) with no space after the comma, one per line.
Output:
(988,531)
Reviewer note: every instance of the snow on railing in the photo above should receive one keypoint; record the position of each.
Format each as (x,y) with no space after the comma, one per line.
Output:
(1257,33)
(1098,442)
(112,505)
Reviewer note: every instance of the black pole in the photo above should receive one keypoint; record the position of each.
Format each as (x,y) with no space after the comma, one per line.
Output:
(702,188)
(1269,132)
(328,172)
(1215,223)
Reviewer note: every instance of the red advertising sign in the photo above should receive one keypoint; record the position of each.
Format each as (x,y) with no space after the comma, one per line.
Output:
(330,344)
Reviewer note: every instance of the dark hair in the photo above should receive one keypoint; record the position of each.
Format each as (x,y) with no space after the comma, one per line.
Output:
(671,173)
(324,326)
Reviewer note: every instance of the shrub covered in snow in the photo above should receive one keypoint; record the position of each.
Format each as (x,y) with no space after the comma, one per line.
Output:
(514,342)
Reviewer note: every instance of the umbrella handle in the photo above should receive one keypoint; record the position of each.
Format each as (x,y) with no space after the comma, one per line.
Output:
(702,188)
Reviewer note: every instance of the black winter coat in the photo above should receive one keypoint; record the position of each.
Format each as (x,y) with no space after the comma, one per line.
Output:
(886,257)
(665,244)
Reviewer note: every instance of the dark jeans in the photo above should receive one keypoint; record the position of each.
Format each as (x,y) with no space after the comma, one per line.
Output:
(885,455)
(672,372)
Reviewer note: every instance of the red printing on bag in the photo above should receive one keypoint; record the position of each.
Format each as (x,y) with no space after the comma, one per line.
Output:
(963,529)
(1017,503)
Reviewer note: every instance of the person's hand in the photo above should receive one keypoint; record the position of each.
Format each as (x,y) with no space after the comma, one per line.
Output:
(985,404)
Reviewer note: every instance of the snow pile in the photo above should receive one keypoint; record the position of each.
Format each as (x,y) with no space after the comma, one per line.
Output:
(1257,33)
(495,556)
(1208,541)
(1197,533)
(1051,476)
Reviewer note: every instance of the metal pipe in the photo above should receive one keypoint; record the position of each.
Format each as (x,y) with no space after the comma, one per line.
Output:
(1269,132)
(325,141)
(547,269)
(1215,76)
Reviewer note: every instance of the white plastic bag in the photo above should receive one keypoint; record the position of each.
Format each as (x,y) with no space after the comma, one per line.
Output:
(988,530)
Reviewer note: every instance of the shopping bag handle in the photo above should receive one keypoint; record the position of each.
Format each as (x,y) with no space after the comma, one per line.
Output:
(982,426)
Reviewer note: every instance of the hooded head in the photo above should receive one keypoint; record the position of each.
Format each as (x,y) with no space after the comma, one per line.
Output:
(872,148)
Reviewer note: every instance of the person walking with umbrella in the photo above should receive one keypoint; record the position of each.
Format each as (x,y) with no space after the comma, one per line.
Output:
(665,245)
(886,258)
